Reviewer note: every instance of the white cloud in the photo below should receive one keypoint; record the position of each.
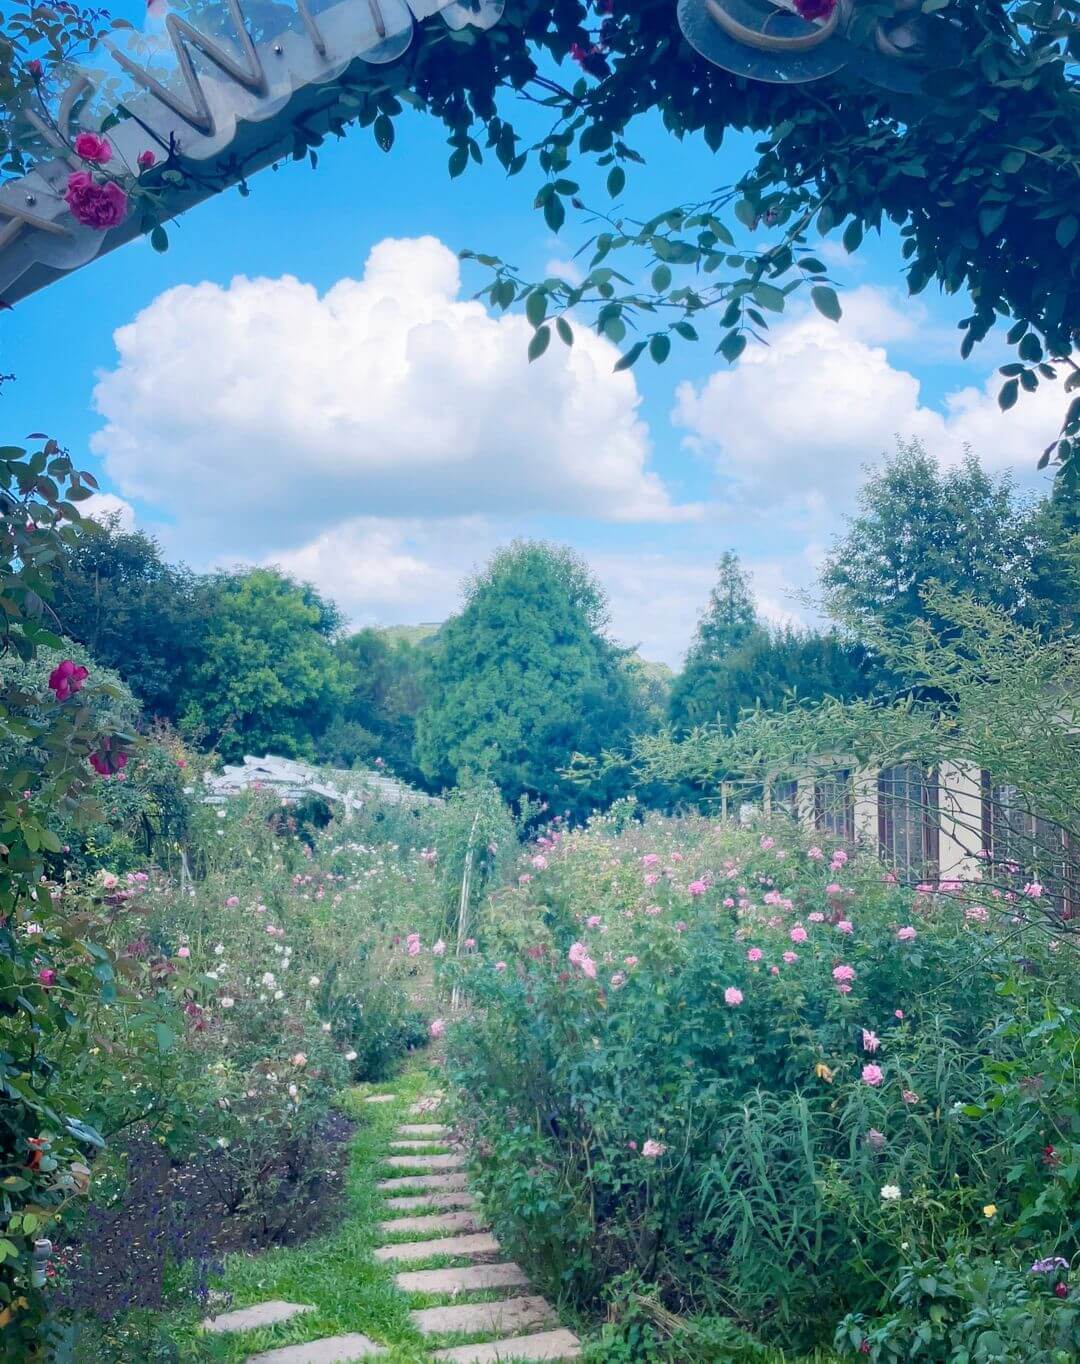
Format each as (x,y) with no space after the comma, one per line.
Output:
(99,505)
(567,270)
(263,413)
(792,424)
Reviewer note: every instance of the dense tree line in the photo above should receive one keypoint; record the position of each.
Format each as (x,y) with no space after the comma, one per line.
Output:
(524,677)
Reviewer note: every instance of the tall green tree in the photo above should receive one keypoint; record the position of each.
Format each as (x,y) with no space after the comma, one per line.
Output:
(383,680)
(919,523)
(524,676)
(115,594)
(736,663)
(267,679)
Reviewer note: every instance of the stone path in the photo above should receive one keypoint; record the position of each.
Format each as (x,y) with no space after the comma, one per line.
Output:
(431,1213)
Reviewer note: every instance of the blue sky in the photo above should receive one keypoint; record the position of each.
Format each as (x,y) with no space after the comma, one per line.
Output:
(381,437)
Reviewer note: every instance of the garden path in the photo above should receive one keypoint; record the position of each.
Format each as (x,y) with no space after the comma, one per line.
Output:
(476,1310)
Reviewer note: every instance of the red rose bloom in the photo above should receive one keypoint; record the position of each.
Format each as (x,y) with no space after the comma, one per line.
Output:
(94,205)
(814,9)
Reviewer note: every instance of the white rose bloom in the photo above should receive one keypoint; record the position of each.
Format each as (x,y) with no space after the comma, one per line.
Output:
(890,1192)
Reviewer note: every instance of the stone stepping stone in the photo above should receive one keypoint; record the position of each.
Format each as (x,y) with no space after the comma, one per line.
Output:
(454,1198)
(330,1350)
(500,1318)
(251,1318)
(482,1243)
(380,1098)
(471,1279)
(423,1129)
(551,1345)
(428,1105)
(449,1162)
(414,1144)
(433,1224)
(423,1182)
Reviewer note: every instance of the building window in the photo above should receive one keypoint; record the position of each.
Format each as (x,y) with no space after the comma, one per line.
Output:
(834,805)
(785,796)
(1025,847)
(908,825)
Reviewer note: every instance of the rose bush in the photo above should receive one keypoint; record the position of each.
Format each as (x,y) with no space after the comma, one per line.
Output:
(760,1077)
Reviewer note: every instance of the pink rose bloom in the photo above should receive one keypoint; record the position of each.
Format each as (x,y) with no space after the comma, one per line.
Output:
(681,926)
(676,857)
(1033,890)
(232,901)
(539,862)
(844,988)
(697,888)
(815,854)
(766,842)
(839,855)
(898,1013)
(843,972)
(774,970)
(524,879)
(94,205)
(729,903)
(798,933)
(754,954)
(593,921)
(414,948)
(732,996)
(652,909)
(184,952)
(651,1149)
(47,977)
(650,860)
(875,1138)
(872,1075)
(630,961)
(577,953)
(909,1096)
(816,917)
(845,926)
(977,914)
(500,966)
(905,934)
(791,957)
(833,888)
(93,147)
(470,943)
(618,980)
(145,159)
(437,1028)
(870,1040)
(651,879)
(588,967)
(631,1145)
(439,949)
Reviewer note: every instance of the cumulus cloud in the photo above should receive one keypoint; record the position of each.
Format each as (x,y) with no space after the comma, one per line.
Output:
(99,505)
(266,413)
(792,424)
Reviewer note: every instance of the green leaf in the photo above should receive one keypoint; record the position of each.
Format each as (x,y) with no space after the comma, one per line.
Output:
(660,347)
(1030,348)
(769,296)
(853,235)
(554,213)
(826,302)
(631,356)
(616,181)
(1008,394)
(165,1037)
(991,218)
(566,332)
(732,346)
(159,239)
(536,307)
(383,128)
(744,211)
(459,159)
(1066,230)
(539,343)
(661,278)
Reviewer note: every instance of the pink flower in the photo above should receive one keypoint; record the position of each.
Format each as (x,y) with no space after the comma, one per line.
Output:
(697,888)
(651,878)
(816,917)
(845,926)
(1033,890)
(791,957)
(833,888)
(35,68)
(94,205)
(732,996)
(588,967)
(875,1138)
(618,980)
(650,860)
(870,1040)
(905,934)
(539,862)
(470,943)
(844,988)
(500,966)
(676,857)
(872,1074)
(183,952)
(839,856)
(766,842)
(66,679)
(977,914)
(414,948)
(439,949)
(577,954)
(898,1013)
(729,903)
(630,961)
(47,977)
(774,970)
(93,147)
(652,909)
(798,933)
(524,879)
(652,1149)
(815,854)
(631,1145)
(909,1096)
(437,1028)
(593,921)
(843,972)
(146,159)
(232,901)
(754,954)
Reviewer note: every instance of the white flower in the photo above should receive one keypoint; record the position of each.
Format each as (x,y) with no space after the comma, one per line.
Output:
(219,949)
(279,994)
(293,1091)
(211,975)
(350,1056)
(326,1027)
(890,1192)
(227,1001)
(313,982)
(268,978)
